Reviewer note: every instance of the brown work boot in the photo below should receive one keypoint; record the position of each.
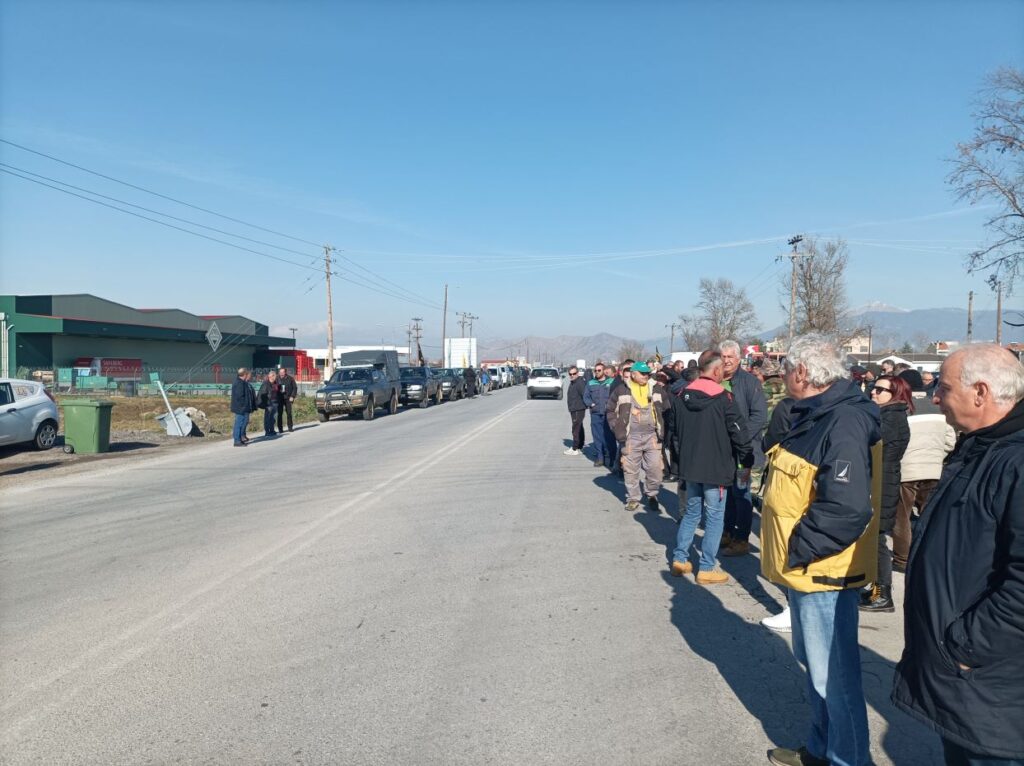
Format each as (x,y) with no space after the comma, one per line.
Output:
(736,548)
(632,505)
(680,568)
(782,756)
(726,540)
(714,577)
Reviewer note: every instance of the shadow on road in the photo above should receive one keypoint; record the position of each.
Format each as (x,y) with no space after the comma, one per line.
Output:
(759,665)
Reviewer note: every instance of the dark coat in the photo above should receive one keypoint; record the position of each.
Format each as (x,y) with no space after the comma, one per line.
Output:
(778,426)
(574,396)
(895,438)
(242,399)
(710,434)
(289,388)
(748,394)
(268,394)
(965,597)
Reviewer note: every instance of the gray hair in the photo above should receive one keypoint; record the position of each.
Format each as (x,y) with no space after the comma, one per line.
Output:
(821,356)
(995,366)
(729,345)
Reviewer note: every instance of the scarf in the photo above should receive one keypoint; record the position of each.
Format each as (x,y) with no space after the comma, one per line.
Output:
(640,392)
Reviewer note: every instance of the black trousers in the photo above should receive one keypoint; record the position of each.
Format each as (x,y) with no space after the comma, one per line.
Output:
(284,405)
(578,437)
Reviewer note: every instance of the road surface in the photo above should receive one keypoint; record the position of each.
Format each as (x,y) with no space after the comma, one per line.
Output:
(441,586)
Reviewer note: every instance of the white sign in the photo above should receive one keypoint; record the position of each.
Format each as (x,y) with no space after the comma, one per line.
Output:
(213,336)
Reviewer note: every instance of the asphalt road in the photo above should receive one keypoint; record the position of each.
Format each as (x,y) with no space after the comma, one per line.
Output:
(438,587)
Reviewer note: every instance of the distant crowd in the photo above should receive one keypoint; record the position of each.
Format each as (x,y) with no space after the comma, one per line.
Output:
(858,473)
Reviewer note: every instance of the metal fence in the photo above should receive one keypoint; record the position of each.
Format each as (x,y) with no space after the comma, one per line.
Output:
(176,381)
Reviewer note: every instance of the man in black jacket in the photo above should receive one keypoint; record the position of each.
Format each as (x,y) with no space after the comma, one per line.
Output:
(242,404)
(289,389)
(577,410)
(962,670)
(469,375)
(711,440)
(268,397)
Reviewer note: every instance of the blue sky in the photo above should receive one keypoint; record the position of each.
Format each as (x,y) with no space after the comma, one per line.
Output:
(566,167)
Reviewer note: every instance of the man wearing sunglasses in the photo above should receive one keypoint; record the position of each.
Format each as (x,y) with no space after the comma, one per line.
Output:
(577,410)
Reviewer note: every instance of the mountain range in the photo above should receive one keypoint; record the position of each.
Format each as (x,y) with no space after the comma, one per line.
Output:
(891,327)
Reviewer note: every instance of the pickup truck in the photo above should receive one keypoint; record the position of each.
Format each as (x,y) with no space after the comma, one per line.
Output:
(420,386)
(453,385)
(365,382)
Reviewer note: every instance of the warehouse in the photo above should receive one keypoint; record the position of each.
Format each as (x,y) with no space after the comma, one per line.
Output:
(84,332)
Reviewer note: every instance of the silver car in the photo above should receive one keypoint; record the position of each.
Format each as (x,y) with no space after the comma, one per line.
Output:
(28,413)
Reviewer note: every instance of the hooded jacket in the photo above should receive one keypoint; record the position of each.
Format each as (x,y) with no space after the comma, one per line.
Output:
(819,526)
(620,406)
(965,597)
(710,434)
(895,437)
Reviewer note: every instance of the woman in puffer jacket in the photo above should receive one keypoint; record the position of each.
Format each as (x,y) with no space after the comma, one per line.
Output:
(894,398)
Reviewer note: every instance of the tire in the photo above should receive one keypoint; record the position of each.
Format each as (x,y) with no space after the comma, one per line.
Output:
(45,436)
(323,417)
(424,402)
(529,396)
(559,395)
(393,404)
(368,409)
(69,449)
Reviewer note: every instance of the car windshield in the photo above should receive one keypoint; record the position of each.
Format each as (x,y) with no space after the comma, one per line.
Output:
(544,374)
(346,376)
(409,373)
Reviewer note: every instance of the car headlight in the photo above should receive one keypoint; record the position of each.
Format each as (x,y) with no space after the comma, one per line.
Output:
(321,394)
(356,392)
(415,387)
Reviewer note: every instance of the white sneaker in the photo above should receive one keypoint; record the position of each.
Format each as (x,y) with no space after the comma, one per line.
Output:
(780,622)
(571,451)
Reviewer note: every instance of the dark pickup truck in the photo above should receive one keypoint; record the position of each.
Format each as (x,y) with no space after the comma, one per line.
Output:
(364,382)
(453,385)
(420,386)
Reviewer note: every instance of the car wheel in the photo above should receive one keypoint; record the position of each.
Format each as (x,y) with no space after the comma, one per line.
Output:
(529,395)
(368,410)
(424,402)
(393,404)
(46,435)
(323,417)
(559,394)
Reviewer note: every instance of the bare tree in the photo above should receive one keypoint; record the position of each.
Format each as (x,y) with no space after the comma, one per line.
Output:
(724,311)
(820,288)
(990,168)
(632,349)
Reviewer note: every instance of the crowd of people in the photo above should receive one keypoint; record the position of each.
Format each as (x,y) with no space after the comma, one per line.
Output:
(860,473)
(275,397)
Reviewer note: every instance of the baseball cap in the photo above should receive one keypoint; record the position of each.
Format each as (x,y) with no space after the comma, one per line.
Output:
(642,367)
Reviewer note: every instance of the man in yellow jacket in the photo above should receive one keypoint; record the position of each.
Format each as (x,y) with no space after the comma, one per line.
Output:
(819,533)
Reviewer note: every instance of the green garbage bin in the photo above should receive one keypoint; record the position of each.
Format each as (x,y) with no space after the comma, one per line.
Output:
(87,425)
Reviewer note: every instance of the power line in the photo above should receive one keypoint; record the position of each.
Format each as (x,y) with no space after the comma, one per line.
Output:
(157,194)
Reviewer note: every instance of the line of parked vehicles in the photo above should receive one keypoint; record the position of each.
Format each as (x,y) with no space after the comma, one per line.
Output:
(367,382)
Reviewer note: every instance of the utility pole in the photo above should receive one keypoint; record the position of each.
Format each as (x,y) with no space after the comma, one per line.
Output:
(444,324)
(999,313)
(672,338)
(471,317)
(415,333)
(330,314)
(462,323)
(793,242)
(970,315)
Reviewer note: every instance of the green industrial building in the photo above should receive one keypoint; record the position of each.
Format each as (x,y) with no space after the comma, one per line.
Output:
(47,332)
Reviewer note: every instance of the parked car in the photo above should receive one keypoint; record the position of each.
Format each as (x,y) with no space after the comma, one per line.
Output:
(419,386)
(453,385)
(544,381)
(28,413)
(365,382)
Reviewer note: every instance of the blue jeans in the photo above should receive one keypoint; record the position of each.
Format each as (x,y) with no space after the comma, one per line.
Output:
(957,755)
(599,430)
(825,643)
(710,499)
(739,513)
(238,432)
(270,419)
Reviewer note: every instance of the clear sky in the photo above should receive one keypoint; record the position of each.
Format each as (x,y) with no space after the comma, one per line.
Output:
(566,167)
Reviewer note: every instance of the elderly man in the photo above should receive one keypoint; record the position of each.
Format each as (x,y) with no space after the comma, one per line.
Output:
(243,403)
(962,671)
(753,407)
(819,539)
(636,415)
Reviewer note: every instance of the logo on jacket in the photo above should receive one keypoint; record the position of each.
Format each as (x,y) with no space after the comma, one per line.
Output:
(843,471)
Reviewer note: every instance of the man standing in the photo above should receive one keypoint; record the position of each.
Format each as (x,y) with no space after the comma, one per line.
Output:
(241,406)
(711,439)
(469,375)
(749,397)
(595,396)
(577,410)
(637,418)
(288,391)
(962,670)
(268,397)
(819,539)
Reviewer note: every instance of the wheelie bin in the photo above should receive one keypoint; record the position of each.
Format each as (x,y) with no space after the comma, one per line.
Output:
(87,425)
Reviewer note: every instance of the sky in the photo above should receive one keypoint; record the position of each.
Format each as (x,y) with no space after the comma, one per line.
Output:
(564,167)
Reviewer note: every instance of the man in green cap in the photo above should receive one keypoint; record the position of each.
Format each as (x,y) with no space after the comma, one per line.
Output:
(636,416)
